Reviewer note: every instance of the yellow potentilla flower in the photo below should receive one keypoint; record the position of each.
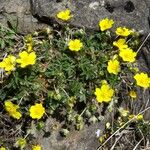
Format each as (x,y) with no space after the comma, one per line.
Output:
(75,45)
(113,66)
(2,148)
(26,59)
(104,94)
(16,115)
(37,111)
(36,147)
(142,80)
(64,15)
(121,44)
(127,55)
(132,94)
(106,24)
(12,109)
(21,143)
(8,63)
(140,117)
(123,31)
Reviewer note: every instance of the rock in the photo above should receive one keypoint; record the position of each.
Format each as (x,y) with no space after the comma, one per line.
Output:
(88,13)
(76,140)
(145,54)
(17,14)
(147,3)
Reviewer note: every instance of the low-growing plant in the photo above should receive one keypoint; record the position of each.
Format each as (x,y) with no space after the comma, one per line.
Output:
(69,75)
(7,37)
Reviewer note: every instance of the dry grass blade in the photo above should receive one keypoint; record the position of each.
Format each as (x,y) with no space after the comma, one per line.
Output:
(138,144)
(122,127)
(143,42)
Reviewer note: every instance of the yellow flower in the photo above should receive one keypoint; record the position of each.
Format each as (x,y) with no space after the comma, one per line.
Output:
(113,66)
(104,94)
(12,109)
(64,15)
(26,59)
(21,142)
(106,24)
(75,45)
(2,148)
(142,80)
(140,117)
(36,147)
(132,94)
(128,55)
(121,44)
(8,63)
(37,111)
(123,31)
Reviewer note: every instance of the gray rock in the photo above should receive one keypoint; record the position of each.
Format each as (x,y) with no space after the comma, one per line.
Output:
(88,13)
(18,15)
(76,140)
(147,3)
(145,54)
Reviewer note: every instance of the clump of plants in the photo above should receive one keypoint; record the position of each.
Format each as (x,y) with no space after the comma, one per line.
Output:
(68,75)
